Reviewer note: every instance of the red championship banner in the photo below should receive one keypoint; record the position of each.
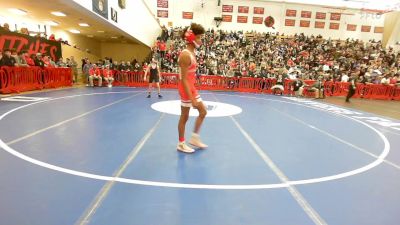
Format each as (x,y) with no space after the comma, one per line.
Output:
(242,19)
(19,42)
(227,8)
(351,27)
(187,15)
(243,9)
(291,13)
(226,18)
(304,23)
(319,25)
(306,14)
(335,16)
(258,10)
(378,30)
(162,3)
(334,26)
(162,13)
(365,28)
(257,20)
(320,15)
(290,23)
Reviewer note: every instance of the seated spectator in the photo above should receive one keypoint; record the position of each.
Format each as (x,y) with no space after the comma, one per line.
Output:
(280,81)
(95,73)
(28,59)
(298,86)
(7,59)
(21,61)
(48,62)
(108,76)
(25,31)
(6,27)
(14,54)
(52,37)
(318,88)
(61,63)
(38,60)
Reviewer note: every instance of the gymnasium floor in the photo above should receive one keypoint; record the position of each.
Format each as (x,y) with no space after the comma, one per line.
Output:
(106,156)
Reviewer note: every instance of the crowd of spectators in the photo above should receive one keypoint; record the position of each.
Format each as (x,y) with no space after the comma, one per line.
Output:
(268,55)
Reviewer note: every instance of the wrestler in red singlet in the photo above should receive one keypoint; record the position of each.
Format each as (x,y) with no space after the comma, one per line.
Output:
(187,91)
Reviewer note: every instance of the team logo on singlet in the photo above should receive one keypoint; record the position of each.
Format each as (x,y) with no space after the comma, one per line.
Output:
(214,109)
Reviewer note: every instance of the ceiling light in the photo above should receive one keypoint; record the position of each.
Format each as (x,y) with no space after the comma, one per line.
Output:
(74,31)
(100,31)
(58,14)
(18,11)
(114,37)
(89,35)
(84,25)
(51,23)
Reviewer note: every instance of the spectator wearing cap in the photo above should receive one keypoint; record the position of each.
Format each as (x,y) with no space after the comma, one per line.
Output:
(108,76)
(7,59)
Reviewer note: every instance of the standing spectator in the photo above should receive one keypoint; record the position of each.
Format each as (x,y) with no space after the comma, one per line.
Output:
(74,66)
(85,70)
(352,87)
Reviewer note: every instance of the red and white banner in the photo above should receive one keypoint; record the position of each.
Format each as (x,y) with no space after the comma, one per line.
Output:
(291,12)
(257,20)
(258,10)
(378,30)
(162,3)
(304,23)
(365,28)
(334,26)
(242,19)
(290,22)
(336,16)
(306,14)
(319,25)
(243,9)
(162,13)
(226,18)
(227,8)
(351,27)
(187,15)
(320,15)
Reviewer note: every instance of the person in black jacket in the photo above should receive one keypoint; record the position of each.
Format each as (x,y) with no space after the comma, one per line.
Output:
(38,60)
(7,59)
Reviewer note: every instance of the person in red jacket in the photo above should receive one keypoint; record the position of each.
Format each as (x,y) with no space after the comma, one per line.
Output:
(108,76)
(95,73)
